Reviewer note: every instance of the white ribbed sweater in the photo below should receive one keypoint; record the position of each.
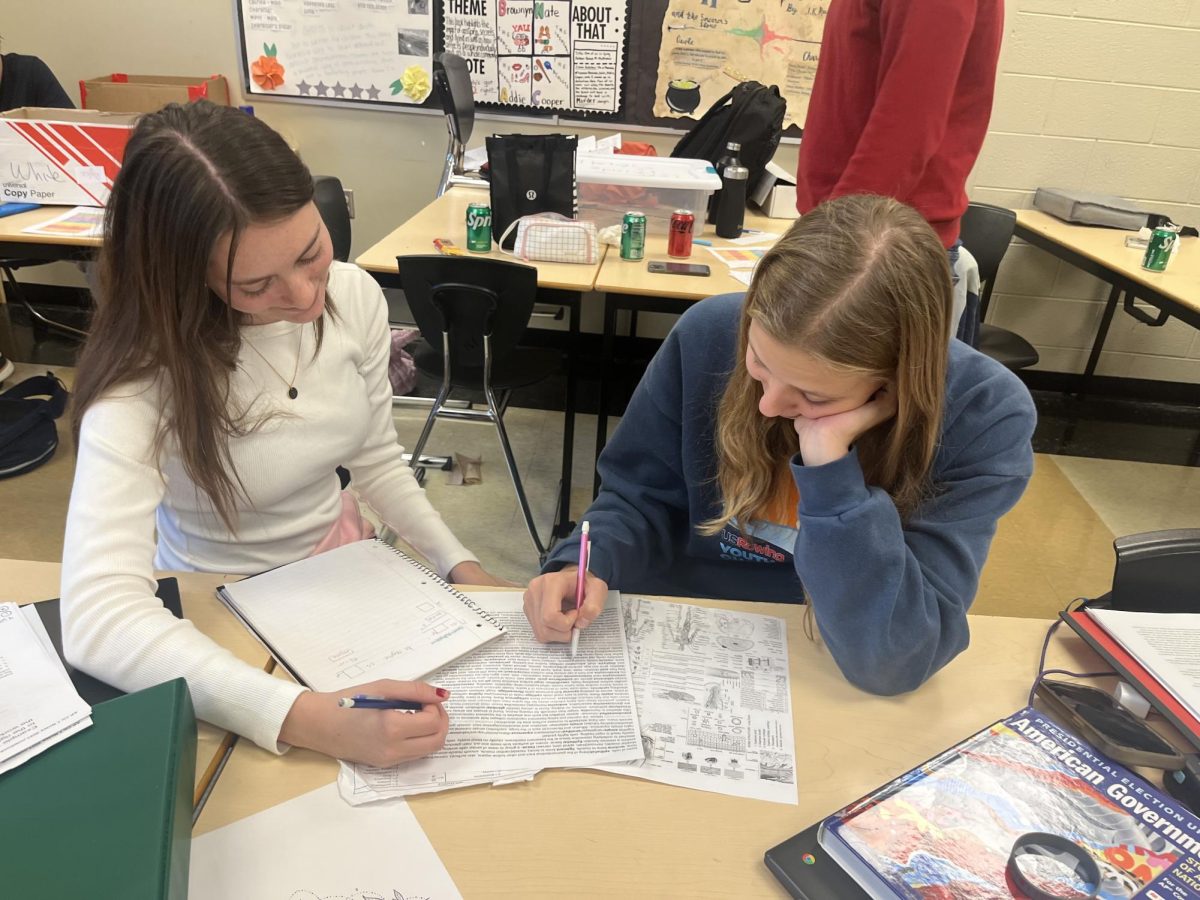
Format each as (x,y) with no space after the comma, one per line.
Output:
(113,625)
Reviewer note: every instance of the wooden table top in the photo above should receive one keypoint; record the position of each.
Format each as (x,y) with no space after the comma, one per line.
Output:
(623,276)
(446,217)
(26,582)
(11,229)
(591,834)
(1106,246)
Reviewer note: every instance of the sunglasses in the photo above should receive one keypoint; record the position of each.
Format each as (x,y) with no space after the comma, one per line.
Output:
(1107,726)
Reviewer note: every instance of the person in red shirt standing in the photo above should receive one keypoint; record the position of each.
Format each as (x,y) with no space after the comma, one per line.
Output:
(900,106)
(901,103)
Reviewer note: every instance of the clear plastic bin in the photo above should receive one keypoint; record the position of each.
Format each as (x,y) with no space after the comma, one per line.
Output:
(612,184)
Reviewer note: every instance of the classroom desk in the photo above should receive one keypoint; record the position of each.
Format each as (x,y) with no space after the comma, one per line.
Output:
(559,284)
(628,286)
(29,582)
(591,834)
(14,243)
(1102,252)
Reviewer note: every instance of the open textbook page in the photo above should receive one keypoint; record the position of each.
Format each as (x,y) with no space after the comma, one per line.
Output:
(714,699)
(1167,644)
(517,706)
(315,846)
(38,704)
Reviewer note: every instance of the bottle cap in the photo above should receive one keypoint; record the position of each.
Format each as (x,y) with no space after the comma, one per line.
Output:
(736,173)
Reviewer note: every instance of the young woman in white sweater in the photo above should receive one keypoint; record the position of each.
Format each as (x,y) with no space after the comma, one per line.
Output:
(232,366)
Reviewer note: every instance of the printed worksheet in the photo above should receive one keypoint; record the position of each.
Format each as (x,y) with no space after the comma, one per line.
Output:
(714,699)
(316,848)
(517,706)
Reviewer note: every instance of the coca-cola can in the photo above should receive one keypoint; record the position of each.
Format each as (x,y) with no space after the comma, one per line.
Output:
(679,238)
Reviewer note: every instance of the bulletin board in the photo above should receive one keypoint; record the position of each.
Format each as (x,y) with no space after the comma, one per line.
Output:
(608,62)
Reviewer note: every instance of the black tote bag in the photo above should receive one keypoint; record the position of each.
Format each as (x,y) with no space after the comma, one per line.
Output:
(530,173)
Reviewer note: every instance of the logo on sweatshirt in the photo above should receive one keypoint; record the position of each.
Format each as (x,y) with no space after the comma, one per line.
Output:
(762,543)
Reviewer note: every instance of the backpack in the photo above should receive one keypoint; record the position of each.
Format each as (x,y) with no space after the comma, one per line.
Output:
(751,114)
(28,436)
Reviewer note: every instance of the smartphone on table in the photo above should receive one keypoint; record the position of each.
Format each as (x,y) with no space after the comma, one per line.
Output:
(675,268)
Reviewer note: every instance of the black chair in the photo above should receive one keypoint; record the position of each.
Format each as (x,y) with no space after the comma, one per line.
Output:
(330,197)
(986,231)
(452,82)
(472,313)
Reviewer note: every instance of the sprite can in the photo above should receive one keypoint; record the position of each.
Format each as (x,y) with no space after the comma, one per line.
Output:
(633,235)
(1158,250)
(479,228)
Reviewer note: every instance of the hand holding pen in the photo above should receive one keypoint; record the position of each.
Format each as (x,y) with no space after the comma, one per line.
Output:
(552,601)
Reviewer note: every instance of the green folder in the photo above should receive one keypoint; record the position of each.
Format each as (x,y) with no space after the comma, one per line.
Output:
(107,813)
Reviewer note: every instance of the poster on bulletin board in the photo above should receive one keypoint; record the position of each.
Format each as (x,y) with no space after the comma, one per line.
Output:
(542,54)
(709,46)
(372,50)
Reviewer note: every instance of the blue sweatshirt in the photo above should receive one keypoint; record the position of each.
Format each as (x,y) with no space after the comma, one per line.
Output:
(890,598)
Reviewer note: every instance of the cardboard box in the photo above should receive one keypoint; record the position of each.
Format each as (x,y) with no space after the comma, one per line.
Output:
(61,156)
(119,92)
(775,194)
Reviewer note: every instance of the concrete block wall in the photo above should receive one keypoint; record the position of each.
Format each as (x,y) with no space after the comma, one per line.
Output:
(1100,95)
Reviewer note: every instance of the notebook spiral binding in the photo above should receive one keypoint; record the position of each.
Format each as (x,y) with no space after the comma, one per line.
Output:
(463,598)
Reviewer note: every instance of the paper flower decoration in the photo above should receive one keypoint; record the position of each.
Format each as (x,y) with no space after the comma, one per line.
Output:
(414,83)
(267,71)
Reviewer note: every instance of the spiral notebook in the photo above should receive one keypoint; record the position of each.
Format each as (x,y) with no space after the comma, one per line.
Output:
(357,613)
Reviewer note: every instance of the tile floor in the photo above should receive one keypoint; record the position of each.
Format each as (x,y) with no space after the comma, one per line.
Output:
(1056,543)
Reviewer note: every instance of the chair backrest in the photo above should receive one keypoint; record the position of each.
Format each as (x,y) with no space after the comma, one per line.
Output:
(453,83)
(330,198)
(466,299)
(987,231)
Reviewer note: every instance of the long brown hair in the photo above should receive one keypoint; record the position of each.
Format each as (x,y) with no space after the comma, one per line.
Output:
(190,175)
(862,283)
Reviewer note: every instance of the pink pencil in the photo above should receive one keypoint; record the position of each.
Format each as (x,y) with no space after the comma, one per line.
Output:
(585,548)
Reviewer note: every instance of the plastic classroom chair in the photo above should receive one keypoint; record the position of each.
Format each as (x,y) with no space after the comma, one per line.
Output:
(453,84)
(986,231)
(472,314)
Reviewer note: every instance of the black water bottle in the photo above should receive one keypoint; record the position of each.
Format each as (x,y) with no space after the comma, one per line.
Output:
(729,158)
(732,206)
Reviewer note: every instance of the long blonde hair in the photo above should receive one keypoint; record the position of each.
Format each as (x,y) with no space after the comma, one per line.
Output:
(862,283)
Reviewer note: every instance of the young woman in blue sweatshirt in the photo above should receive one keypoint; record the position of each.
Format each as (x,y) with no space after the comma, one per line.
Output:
(820,439)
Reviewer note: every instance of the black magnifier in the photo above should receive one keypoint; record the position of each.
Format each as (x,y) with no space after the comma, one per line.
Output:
(1049,867)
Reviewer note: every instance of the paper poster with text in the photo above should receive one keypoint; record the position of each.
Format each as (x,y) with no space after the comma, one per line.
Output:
(709,46)
(545,54)
(366,50)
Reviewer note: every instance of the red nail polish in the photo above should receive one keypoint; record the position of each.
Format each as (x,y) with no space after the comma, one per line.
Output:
(443,693)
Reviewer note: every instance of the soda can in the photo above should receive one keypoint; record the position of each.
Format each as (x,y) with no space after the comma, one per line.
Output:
(679,238)
(479,228)
(1158,251)
(633,235)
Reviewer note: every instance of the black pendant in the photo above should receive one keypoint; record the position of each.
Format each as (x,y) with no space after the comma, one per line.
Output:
(293,393)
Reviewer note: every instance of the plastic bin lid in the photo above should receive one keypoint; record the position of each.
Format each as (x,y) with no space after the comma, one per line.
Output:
(647,171)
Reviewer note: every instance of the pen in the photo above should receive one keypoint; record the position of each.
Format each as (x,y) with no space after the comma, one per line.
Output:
(361,702)
(701,242)
(581,579)
(749,231)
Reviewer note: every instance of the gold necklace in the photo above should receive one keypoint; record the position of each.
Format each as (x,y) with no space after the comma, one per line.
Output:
(292,392)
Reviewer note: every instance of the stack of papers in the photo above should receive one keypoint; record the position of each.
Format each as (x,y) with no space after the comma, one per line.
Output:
(1166,644)
(38,704)
(80,222)
(670,692)
(517,707)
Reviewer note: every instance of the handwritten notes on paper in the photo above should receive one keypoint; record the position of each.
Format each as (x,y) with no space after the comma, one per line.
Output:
(714,699)
(548,54)
(518,706)
(706,50)
(316,846)
(356,50)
